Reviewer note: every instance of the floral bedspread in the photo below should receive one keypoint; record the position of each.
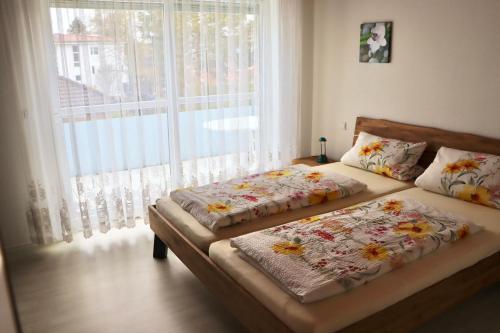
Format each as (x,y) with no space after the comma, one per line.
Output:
(328,254)
(239,200)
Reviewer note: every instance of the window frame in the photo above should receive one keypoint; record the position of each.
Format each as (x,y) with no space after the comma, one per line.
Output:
(161,103)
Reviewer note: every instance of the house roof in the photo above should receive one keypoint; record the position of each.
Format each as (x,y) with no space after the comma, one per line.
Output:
(72,93)
(73,38)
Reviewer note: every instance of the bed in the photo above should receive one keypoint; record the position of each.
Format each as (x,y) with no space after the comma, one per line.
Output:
(169,221)
(354,306)
(427,299)
(202,237)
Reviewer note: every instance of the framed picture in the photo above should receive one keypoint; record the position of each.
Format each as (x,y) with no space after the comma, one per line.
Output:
(375,42)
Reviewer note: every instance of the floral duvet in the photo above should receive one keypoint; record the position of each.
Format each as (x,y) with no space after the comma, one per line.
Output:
(240,200)
(325,255)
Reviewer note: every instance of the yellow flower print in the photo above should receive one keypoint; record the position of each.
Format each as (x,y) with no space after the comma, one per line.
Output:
(463,231)
(452,168)
(374,251)
(413,230)
(278,173)
(393,206)
(476,194)
(320,196)
(218,207)
(288,248)
(462,165)
(377,146)
(314,177)
(383,170)
(317,197)
(242,186)
(333,195)
(468,165)
(310,219)
(365,151)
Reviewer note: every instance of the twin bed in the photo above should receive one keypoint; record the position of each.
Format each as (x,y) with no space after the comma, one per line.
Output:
(399,300)
(202,237)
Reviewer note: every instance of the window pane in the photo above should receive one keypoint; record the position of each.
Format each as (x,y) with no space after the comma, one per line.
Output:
(215,52)
(118,53)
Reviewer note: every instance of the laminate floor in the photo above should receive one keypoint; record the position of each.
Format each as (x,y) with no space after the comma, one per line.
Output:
(110,283)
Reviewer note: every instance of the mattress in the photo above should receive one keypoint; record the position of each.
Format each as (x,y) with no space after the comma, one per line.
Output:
(202,237)
(380,293)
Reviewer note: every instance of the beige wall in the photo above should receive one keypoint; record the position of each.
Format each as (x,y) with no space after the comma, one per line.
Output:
(445,69)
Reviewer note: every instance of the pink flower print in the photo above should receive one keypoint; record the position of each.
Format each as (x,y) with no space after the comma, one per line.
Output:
(250,197)
(320,264)
(330,184)
(479,157)
(297,195)
(324,234)
(411,215)
(495,192)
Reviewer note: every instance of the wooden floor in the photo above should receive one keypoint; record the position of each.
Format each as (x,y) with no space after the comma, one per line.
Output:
(111,283)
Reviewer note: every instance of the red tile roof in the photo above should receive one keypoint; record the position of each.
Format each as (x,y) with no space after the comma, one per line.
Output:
(72,93)
(72,38)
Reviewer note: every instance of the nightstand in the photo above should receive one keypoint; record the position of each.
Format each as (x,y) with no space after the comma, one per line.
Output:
(310,160)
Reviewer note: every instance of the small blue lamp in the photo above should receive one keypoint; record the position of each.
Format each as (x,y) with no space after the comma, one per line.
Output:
(322,156)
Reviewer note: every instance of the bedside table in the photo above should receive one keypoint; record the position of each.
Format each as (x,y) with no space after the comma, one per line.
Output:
(310,160)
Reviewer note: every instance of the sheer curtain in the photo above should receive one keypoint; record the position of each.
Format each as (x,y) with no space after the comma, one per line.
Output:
(127,100)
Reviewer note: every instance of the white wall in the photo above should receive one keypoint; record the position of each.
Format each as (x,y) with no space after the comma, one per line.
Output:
(445,69)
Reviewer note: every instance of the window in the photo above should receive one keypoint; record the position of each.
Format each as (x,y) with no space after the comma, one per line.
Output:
(131,38)
(220,29)
(76,55)
(213,75)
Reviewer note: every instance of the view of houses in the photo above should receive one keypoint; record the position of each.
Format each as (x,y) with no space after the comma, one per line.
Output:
(95,61)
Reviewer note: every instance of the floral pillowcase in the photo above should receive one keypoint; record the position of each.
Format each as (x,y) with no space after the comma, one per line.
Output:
(469,176)
(388,157)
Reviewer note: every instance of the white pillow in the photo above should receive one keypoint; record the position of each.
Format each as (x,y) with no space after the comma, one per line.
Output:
(389,157)
(466,175)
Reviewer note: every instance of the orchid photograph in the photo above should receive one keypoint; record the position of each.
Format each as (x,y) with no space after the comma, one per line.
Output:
(375,42)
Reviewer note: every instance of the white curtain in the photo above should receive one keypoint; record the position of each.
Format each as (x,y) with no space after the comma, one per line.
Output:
(26,31)
(123,101)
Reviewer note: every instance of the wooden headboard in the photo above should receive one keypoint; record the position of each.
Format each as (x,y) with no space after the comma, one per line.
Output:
(435,137)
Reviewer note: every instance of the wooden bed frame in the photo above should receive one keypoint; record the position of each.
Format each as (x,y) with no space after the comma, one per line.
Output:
(402,316)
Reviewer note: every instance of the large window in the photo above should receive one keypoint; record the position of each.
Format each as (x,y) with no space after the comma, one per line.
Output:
(134,61)
(132,38)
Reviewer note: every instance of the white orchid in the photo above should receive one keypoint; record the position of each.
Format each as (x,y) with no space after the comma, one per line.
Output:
(377,38)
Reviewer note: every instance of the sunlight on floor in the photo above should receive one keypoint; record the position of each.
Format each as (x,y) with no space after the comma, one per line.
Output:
(104,241)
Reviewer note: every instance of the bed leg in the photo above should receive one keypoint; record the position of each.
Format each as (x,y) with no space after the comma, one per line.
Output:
(159,248)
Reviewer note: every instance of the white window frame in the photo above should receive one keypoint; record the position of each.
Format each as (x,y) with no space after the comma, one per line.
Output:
(87,110)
